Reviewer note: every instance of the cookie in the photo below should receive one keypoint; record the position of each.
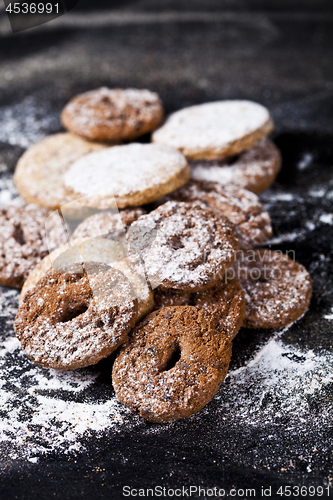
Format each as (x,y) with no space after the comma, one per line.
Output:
(76,316)
(100,250)
(277,289)
(216,129)
(243,208)
(188,246)
(39,172)
(225,301)
(254,169)
(133,269)
(132,175)
(23,242)
(107,224)
(113,114)
(172,364)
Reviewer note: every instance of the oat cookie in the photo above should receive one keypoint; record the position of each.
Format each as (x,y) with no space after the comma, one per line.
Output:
(189,248)
(243,208)
(113,114)
(254,169)
(39,172)
(132,175)
(63,324)
(172,364)
(23,242)
(216,129)
(277,289)
(102,250)
(225,301)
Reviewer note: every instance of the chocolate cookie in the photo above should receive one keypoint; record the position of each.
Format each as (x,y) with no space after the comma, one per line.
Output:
(172,364)
(39,172)
(23,242)
(225,301)
(240,206)
(103,250)
(215,129)
(254,169)
(130,175)
(277,289)
(107,224)
(113,114)
(77,316)
(189,246)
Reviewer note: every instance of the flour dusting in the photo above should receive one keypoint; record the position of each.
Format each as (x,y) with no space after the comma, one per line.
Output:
(27,122)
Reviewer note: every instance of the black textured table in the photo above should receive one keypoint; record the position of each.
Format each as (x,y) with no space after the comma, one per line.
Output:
(270,425)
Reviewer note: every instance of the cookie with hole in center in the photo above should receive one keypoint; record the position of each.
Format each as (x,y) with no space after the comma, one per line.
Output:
(215,129)
(76,316)
(277,289)
(40,170)
(225,301)
(103,250)
(254,169)
(172,363)
(243,208)
(184,246)
(113,114)
(23,242)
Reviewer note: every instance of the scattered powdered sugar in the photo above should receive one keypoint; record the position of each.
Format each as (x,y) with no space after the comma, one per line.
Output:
(305,161)
(329,317)
(326,218)
(8,192)
(27,122)
(317,193)
(288,374)
(38,413)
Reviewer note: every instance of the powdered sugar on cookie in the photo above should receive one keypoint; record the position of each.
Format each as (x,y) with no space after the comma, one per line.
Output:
(190,248)
(216,129)
(254,169)
(134,174)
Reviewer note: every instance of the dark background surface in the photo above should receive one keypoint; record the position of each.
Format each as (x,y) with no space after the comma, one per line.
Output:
(276,53)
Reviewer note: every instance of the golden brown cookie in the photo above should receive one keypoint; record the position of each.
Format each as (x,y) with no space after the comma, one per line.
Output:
(130,175)
(254,169)
(277,289)
(215,129)
(225,301)
(23,242)
(172,364)
(76,316)
(39,172)
(243,208)
(184,246)
(113,114)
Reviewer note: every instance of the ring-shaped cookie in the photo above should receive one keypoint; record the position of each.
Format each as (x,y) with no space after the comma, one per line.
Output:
(172,364)
(277,289)
(76,316)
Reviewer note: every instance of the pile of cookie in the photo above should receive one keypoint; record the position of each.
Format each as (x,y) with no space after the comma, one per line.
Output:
(160,262)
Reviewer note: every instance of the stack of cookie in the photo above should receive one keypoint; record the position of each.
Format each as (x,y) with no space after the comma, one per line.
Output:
(184,244)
